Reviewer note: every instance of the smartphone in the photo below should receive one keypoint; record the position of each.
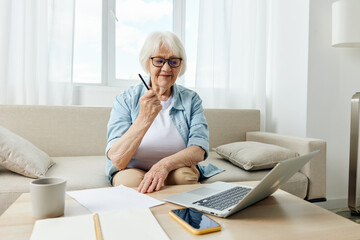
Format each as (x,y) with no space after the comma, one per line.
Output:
(195,221)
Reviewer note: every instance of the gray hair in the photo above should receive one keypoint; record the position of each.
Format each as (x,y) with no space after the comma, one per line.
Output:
(154,41)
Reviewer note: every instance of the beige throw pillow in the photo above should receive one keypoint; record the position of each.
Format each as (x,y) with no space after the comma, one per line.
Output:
(254,155)
(20,156)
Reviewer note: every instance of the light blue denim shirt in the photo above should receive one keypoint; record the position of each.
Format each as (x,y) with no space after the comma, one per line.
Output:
(186,113)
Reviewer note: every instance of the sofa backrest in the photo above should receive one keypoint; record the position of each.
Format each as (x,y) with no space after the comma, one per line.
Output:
(81,130)
(231,125)
(59,130)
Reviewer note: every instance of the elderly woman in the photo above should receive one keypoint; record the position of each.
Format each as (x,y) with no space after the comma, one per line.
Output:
(157,136)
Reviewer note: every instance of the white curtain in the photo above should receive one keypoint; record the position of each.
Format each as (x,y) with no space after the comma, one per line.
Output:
(231,69)
(36,44)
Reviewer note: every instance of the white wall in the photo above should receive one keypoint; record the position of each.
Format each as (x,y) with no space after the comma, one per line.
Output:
(333,77)
(96,95)
(286,102)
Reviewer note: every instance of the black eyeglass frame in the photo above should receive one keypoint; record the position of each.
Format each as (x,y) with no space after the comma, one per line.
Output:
(165,59)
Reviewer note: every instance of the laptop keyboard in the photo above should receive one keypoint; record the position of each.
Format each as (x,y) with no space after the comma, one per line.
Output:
(225,199)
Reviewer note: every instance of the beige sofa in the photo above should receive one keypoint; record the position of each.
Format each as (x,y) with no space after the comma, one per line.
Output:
(75,138)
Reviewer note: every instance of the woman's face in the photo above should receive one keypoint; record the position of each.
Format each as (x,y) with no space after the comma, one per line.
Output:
(163,77)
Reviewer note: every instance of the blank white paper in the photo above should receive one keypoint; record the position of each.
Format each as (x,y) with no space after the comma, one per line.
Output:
(113,199)
(132,224)
(69,228)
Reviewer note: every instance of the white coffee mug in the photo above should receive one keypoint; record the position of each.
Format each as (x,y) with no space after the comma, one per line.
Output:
(48,197)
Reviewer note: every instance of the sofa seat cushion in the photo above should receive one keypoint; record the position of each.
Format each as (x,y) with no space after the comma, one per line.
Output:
(69,168)
(296,185)
(80,172)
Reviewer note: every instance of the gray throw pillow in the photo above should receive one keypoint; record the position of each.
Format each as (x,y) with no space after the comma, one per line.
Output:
(254,155)
(21,156)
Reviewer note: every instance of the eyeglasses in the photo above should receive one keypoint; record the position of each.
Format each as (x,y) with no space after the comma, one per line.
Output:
(159,61)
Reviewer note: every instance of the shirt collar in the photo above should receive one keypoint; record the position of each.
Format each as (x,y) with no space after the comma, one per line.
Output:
(177,103)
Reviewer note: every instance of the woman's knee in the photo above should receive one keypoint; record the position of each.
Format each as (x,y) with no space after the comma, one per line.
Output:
(131,177)
(183,175)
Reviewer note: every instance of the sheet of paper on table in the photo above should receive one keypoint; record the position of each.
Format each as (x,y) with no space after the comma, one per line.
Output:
(113,199)
(127,224)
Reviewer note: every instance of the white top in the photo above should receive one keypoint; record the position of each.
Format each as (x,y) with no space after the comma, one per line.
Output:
(161,140)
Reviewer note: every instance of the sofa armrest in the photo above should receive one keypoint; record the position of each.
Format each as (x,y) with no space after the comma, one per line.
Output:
(315,170)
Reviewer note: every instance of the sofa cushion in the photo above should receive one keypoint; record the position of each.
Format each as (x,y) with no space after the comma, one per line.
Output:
(70,168)
(296,185)
(254,155)
(80,173)
(21,156)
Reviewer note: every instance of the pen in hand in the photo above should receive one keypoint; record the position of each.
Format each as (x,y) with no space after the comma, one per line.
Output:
(144,82)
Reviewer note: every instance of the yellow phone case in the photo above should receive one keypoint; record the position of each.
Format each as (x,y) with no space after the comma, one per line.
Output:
(193,230)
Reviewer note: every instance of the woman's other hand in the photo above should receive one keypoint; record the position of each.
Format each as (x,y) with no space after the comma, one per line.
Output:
(150,106)
(153,179)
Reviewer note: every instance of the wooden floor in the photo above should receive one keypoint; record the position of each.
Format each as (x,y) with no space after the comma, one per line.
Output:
(347,214)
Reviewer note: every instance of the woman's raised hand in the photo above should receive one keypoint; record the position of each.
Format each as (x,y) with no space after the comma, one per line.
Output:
(150,106)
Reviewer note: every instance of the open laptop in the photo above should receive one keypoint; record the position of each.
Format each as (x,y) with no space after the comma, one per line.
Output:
(224,199)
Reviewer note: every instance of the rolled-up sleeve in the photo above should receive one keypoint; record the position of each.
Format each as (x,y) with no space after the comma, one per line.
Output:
(119,122)
(199,132)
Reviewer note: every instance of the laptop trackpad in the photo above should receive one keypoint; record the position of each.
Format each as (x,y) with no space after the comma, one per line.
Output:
(203,191)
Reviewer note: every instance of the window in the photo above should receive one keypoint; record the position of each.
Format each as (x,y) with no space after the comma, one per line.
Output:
(87,42)
(109,34)
(133,26)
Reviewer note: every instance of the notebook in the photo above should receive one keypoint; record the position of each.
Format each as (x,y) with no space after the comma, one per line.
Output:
(127,224)
(224,199)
